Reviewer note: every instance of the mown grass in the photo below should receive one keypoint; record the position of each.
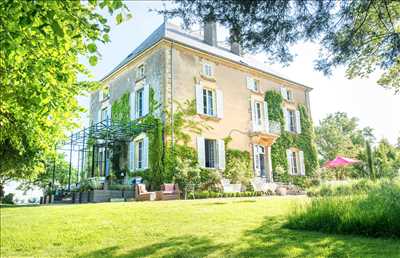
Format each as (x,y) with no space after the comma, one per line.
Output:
(376,213)
(244,227)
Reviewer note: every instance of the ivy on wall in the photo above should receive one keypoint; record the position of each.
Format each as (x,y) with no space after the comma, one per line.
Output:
(120,109)
(303,141)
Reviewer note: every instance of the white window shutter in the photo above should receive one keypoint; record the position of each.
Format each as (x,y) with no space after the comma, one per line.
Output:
(220,104)
(249,82)
(283,92)
(298,123)
(253,115)
(108,116)
(201,151)
(131,158)
(221,154)
(287,119)
(146,153)
(266,119)
(199,99)
(100,95)
(301,160)
(255,160)
(132,112)
(146,99)
(289,159)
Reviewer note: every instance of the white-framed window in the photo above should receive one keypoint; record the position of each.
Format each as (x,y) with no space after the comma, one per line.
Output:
(295,160)
(104,93)
(105,114)
(209,102)
(141,71)
(259,115)
(292,120)
(211,153)
(287,94)
(138,153)
(139,102)
(208,70)
(259,159)
(253,84)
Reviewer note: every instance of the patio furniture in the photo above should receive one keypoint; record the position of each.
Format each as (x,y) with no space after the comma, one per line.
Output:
(169,192)
(142,194)
(227,187)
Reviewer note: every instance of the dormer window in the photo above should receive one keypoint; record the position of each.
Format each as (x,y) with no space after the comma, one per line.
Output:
(208,70)
(141,71)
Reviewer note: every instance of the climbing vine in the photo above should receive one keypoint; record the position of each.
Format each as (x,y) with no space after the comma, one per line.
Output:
(120,109)
(303,141)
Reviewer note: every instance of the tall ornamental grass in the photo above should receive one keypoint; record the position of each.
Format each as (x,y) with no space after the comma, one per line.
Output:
(374,214)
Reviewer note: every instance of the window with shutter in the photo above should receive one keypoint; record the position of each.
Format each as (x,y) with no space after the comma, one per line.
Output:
(266,119)
(132,102)
(298,123)
(220,104)
(221,154)
(201,151)
(208,70)
(252,84)
(199,99)
(141,72)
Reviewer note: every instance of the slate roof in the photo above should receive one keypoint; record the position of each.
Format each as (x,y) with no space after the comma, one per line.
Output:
(173,33)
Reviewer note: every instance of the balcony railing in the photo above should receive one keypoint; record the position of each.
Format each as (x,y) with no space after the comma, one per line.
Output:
(274,127)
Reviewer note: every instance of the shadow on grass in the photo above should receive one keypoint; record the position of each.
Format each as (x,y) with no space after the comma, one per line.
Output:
(273,240)
(270,239)
(184,246)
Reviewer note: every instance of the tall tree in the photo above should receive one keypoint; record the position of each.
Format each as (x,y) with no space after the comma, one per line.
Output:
(40,45)
(338,134)
(387,159)
(363,35)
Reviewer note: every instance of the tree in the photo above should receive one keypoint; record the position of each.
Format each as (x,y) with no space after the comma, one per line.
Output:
(387,159)
(363,35)
(370,161)
(41,42)
(337,134)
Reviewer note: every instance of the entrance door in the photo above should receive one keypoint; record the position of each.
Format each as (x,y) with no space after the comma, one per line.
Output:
(259,160)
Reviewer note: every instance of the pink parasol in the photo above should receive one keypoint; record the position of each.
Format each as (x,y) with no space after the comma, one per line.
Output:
(340,162)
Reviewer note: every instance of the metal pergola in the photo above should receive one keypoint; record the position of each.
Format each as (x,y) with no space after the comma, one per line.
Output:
(103,134)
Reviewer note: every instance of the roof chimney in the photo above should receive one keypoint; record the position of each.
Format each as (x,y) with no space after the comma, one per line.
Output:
(235,45)
(210,32)
(236,49)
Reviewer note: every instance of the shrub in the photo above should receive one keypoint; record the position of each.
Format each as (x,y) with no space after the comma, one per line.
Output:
(210,179)
(8,199)
(362,186)
(373,214)
(238,166)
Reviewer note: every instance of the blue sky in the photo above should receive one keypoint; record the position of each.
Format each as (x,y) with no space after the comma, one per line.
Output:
(362,98)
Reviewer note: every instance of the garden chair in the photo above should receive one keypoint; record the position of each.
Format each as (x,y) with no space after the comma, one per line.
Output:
(141,194)
(169,192)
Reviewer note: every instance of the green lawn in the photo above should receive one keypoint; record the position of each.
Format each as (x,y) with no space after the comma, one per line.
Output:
(215,228)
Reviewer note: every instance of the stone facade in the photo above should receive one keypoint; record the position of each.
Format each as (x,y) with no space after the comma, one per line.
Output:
(173,70)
